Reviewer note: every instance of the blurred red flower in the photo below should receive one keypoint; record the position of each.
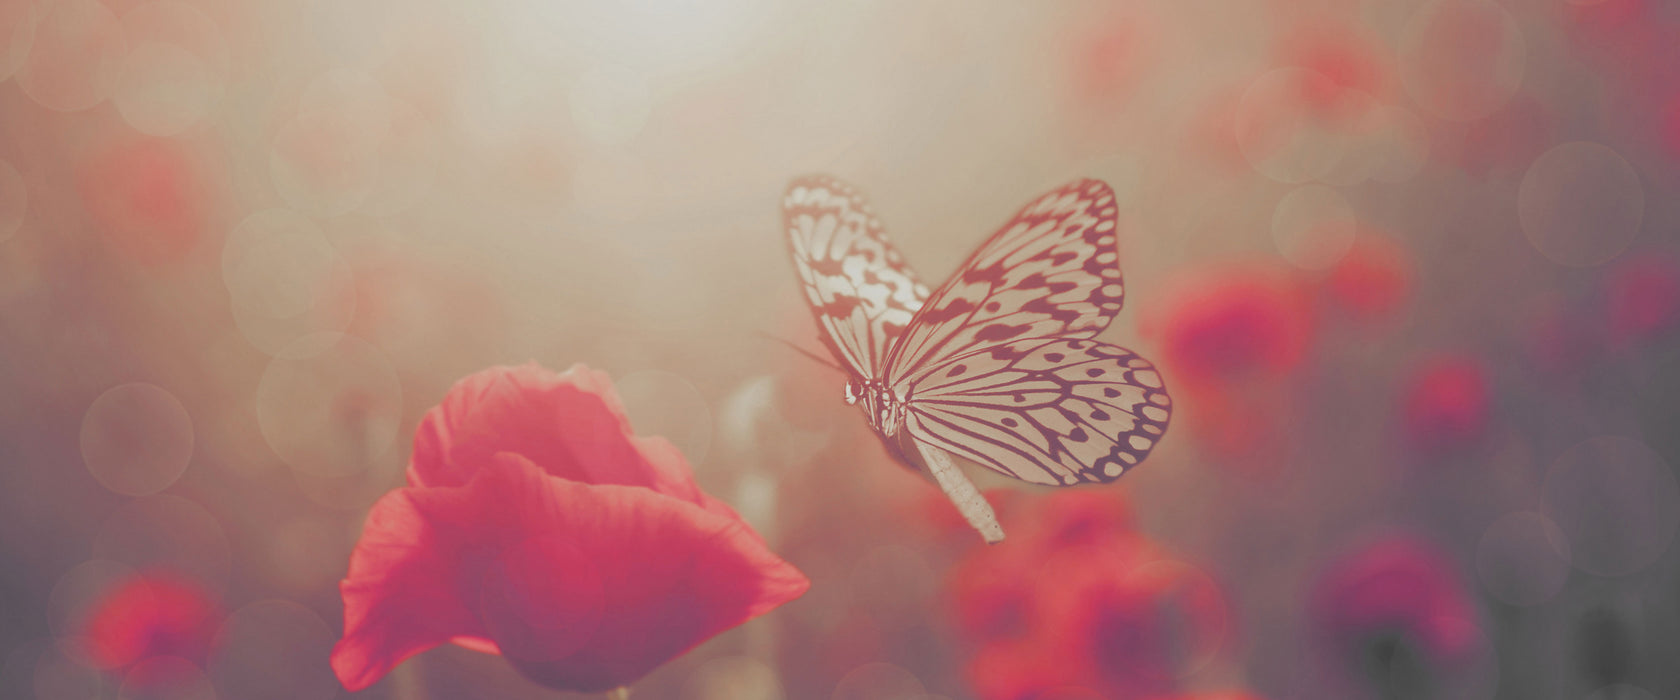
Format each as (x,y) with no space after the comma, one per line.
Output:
(149,615)
(1446,404)
(1081,605)
(1230,334)
(537,526)
(1642,298)
(148,197)
(1234,322)
(1394,593)
(1373,281)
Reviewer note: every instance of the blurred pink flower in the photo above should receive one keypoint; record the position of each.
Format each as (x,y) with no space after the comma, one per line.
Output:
(537,526)
(1232,322)
(1344,56)
(1079,600)
(150,615)
(1373,281)
(149,198)
(1396,591)
(1642,298)
(1446,404)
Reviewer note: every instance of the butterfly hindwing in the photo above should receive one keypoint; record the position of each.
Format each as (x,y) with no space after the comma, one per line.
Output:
(1052,411)
(1051,271)
(857,284)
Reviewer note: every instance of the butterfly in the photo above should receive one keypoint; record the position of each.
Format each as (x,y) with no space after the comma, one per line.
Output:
(997,365)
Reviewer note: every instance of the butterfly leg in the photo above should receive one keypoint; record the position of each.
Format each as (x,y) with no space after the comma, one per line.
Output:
(962,493)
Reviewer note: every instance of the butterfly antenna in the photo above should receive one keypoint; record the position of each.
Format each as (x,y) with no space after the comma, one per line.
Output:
(807,353)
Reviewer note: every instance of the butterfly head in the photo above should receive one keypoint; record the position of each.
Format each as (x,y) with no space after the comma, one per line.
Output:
(882,406)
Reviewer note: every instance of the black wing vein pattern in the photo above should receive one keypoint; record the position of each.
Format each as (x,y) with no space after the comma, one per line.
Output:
(858,286)
(1055,411)
(1051,271)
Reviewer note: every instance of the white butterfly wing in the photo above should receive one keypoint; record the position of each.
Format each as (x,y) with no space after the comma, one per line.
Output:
(858,286)
(998,366)
(1051,271)
(1055,411)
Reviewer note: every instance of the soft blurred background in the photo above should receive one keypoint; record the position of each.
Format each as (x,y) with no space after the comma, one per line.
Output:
(1410,269)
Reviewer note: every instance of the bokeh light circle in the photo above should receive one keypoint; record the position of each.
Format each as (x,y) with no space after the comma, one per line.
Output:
(14,200)
(60,676)
(285,280)
(407,162)
(667,405)
(176,68)
(167,532)
(1581,204)
(1282,132)
(325,158)
(274,650)
(164,89)
(136,439)
(17,33)
(1386,144)
(166,678)
(330,412)
(1313,226)
(879,681)
(1618,502)
(76,57)
(1523,559)
(734,678)
(1462,59)
(73,598)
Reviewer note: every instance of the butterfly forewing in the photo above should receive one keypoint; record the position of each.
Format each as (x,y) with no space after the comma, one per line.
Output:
(859,288)
(1051,271)
(1046,410)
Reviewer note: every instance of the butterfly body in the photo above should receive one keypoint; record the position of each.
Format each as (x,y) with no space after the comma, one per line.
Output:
(883,407)
(999,364)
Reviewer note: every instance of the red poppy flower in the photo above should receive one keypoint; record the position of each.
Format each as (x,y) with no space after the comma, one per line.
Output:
(148,197)
(1372,281)
(994,588)
(150,615)
(537,526)
(1230,323)
(1643,298)
(1135,624)
(1080,605)
(1394,591)
(1446,405)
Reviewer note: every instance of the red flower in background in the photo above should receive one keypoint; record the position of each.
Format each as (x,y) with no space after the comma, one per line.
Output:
(150,615)
(1080,605)
(1642,299)
(1392,595)
(1446,404)
(1231,323)
(537,526)
(1229,335)
(148,197)
(1373,281)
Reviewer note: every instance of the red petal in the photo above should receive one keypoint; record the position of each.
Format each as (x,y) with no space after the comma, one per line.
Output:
(582,587)
(571,424)
(401,596)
